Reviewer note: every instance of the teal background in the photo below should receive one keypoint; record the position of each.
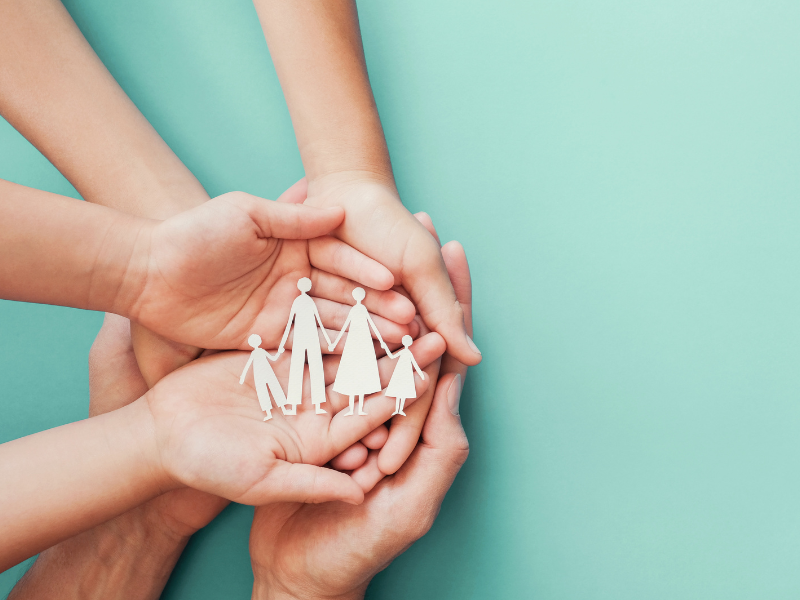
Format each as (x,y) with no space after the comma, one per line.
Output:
(625,178)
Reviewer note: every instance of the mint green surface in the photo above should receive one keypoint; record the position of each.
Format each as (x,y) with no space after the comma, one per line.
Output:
(625,177)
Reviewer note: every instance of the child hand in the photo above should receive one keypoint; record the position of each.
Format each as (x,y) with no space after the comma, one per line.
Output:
(210,435)
(382,228)
(205,276)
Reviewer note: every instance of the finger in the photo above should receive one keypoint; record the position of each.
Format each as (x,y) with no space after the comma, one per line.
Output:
(425,478)
(334,315)
(405,431)
(114,376)
(427,222)
(295,482)
(368,475)
(296,194)
(287,221)
(455,259)
(375,439)
(158,356)
(345,430)
(351,458)
(334,256)
(426,279)
(386,303)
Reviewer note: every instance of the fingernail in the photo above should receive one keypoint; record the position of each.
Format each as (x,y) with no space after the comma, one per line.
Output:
(472,345)
(454,394)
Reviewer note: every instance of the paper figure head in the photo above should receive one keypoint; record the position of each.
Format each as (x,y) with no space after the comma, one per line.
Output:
(407,340)
(254,340)
(304,284)
(359,294)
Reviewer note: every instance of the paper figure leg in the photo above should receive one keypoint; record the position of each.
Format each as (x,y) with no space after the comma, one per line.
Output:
(396,406)
(352,403)
(317,374)
(296,368)
(263,400)
(361,404)
(402,402)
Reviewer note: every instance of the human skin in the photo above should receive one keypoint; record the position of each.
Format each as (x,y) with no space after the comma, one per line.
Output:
(319,59)
(204,277)
(334,550)
(198,428)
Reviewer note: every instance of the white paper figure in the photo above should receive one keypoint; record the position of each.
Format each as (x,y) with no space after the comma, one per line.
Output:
(305,342)
(358,369)
(401,385)
(264,376)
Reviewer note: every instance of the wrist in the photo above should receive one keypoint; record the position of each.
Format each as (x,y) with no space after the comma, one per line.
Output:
(137,241)
(141,428)
(265,588)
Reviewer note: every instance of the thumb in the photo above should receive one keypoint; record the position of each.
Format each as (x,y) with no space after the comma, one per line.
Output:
(295,482)
(296,194)
(289,221)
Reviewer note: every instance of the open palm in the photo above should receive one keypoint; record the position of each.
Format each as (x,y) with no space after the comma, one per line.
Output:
(211,435)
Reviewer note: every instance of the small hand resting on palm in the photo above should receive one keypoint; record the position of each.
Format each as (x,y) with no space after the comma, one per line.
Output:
(198,428)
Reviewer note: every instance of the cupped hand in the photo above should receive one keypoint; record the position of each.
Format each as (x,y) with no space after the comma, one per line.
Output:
(334,550)
(378,225)
(209,432)
(212,275)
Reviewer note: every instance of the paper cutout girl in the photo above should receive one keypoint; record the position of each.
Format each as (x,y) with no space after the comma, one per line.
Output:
(401,385)
(264,376)
(358,369)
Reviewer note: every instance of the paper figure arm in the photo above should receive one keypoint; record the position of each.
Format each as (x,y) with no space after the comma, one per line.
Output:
(416,366)
(377,333)
(286,331)
(273,358)
(246,368)
(321,326)
(338,337)
(389,352)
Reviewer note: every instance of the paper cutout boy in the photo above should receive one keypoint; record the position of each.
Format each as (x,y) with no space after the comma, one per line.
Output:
(264,376)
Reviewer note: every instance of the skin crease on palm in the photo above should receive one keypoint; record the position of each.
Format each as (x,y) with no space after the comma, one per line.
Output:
(333,550)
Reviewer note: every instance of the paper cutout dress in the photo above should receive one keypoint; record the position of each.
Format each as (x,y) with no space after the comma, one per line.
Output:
(401,385)
(358,369)
(264,376)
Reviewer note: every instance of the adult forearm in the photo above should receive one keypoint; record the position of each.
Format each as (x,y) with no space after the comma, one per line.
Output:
(60,482)
(129,557)
(265,589)
(59,95)
(59,250)
(317,51)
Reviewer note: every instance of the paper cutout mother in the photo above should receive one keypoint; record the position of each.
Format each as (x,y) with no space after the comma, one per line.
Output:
(358,369)
(305,343)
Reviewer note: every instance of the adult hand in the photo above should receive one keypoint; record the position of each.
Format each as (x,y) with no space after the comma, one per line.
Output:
(334,550)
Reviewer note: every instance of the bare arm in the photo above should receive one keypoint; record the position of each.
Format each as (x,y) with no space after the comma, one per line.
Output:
(317,51)
(68,479)
(59,250)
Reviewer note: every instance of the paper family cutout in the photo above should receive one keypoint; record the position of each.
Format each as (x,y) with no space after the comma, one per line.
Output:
(357,375)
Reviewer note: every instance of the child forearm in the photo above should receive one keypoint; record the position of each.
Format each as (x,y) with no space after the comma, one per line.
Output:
(59,250)
(316,48)
(60,482)
(57,93)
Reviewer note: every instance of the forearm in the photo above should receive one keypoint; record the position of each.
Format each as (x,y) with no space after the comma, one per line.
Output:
(317,51)
(59,95)
(129,557)
(60,482)
(59,250)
